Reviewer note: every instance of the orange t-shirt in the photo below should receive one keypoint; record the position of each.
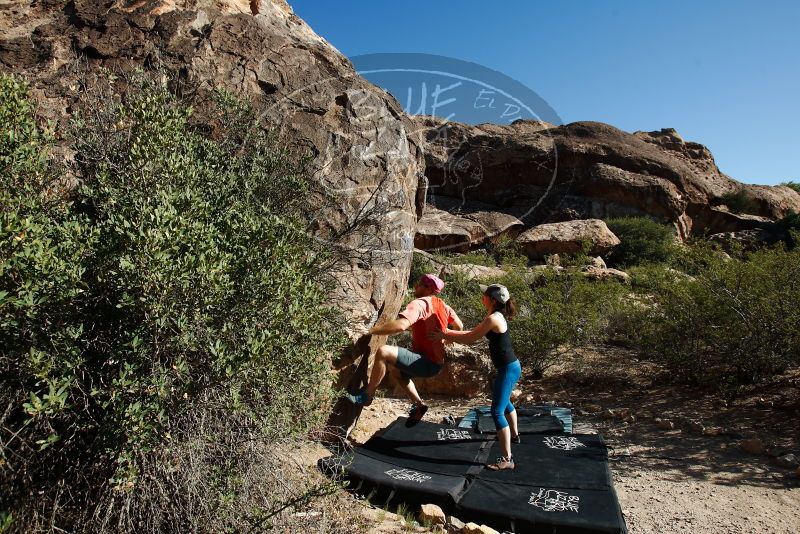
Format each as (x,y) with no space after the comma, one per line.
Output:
(428,314)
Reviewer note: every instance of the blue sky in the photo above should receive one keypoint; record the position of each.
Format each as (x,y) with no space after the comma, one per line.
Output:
(725,74)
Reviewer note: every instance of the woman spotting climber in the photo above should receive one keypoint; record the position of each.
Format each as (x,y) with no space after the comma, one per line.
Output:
(500,307)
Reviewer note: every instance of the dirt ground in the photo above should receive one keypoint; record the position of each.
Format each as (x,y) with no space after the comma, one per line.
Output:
(693,478)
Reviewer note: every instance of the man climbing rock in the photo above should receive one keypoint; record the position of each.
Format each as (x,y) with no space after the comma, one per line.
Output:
(426,313)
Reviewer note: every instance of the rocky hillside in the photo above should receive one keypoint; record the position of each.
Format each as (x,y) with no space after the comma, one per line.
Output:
(529,173)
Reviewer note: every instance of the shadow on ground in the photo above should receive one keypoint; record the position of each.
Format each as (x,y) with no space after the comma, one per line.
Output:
(613,379)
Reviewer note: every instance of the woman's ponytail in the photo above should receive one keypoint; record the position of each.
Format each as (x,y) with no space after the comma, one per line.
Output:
(509,309)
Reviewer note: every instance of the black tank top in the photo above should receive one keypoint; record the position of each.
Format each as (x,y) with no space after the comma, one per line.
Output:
(500,348)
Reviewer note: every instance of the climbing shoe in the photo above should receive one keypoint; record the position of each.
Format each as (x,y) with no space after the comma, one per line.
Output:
(501,464)
(416,412)
(359,399)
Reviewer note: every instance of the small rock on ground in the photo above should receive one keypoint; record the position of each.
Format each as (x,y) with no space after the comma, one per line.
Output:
(474,528)
(456,525)
(787,460)
(432,514)
(752,446)
(665,424)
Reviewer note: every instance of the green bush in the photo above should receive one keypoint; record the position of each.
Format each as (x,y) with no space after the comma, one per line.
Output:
(731,322)
(160,325)
(420,265)
(643,240)
(740,202)
(473,258)
(504,250)
(557,314)
(788,228)
(793,185)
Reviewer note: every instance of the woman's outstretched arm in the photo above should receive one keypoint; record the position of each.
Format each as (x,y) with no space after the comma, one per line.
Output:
(467,337)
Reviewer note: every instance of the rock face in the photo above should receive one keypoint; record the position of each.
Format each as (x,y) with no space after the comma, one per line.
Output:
(439,229)
(470,271)
(357,134)
(543,173)
(567,238)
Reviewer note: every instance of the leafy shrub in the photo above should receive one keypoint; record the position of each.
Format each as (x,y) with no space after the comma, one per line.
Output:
(575,259)
(556,311)
(643,240)
(731,322)
(420,265)
(789,229)
(559,313)
(740,202)
(473,258)
(162,326)
(793,185)
(505,250)
(463,294)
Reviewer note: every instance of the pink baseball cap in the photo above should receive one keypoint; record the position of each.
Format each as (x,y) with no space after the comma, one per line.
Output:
(433,282)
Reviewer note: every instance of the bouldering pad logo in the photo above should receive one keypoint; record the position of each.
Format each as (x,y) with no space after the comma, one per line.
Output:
(564,443)
(551,500)
(452,434)
(407,474)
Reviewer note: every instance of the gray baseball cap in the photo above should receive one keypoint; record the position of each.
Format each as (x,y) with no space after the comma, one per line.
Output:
(497,291)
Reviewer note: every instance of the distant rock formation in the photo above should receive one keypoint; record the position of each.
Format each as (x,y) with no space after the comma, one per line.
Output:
(541,173)
(567,238)
(357,134)
(458,232)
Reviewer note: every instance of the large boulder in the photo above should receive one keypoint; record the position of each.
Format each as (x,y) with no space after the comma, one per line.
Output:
(538,171)
(601,274)
(358,137)
(440,230)
(567,238)
(470,271)
(462,229)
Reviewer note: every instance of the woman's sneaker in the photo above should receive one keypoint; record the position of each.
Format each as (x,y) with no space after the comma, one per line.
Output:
(359,399)
(516,439)
(501,464)
(416,412)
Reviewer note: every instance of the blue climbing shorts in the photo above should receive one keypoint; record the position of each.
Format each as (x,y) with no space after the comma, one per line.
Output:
(412,364)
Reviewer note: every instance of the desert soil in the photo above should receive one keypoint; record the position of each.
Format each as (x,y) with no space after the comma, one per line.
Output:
(668,480)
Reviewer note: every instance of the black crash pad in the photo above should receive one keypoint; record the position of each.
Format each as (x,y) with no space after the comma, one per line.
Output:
(526,424)
(366,474)
(561,484)
(541,508)
(564,461)
(428,447)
